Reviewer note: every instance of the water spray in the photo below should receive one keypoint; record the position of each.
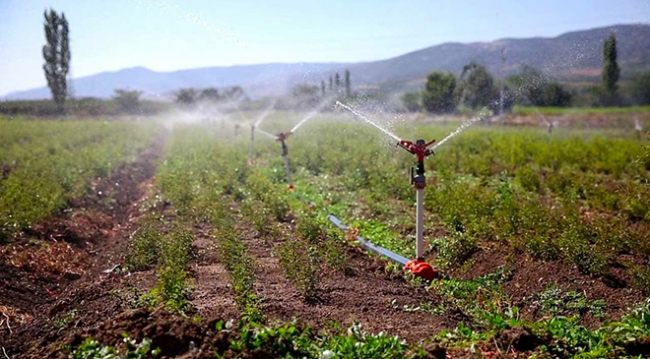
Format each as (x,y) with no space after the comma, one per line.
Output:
(255,127)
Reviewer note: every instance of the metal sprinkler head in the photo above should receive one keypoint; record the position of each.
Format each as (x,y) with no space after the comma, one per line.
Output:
(420,148)
(282,136)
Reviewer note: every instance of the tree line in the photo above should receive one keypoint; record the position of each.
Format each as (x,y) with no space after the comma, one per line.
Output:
(443,92)
(477,88)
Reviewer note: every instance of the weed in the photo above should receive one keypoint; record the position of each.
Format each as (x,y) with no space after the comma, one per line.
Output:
(454,250)
(301,264)
(145,247)
(91,349)
(65,319)
(641,276)
(555,301)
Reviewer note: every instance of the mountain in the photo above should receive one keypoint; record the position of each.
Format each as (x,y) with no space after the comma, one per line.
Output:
(572,57)
(257,80)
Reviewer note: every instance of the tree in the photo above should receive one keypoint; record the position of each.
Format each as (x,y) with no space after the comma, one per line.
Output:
(611,72)
(347,83)
(411,101)
(236,93)
(556,96)
(337,81)
(439,92)
(56,53)
(477,86)
(534,89)
(186,96)
(304,91)
(306,96)
(529,85)
(322,88)
(331,84)
(641,89)
(209,94)
(127,100)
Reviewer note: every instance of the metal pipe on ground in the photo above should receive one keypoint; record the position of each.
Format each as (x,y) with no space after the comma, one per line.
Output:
(369,245)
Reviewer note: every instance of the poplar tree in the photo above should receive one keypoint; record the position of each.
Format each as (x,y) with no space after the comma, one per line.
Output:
(56,53)
(611,71)
(347,83)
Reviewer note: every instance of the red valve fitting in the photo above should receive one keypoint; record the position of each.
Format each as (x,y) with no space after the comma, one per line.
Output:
(421,269)
(419,148)
(282,136)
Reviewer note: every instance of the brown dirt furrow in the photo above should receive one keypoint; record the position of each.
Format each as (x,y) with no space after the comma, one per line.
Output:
(212,296)
(94,235)
(364,297)
(531,276)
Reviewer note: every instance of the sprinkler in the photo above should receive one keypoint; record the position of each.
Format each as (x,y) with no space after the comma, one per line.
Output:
(282,137)
(421,150)
(252,154)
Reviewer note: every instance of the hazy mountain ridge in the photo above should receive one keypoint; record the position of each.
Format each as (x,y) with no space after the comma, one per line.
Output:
(572,56)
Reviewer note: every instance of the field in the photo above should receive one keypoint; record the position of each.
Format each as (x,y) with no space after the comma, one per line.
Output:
(164,239)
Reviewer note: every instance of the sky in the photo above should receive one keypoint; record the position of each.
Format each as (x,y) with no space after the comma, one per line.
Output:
(166,35)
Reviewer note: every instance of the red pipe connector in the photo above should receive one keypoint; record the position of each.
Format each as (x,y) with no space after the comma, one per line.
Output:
(421,269)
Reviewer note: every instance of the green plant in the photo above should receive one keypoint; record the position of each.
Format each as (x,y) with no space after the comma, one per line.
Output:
(91,349)
(641,276)
(301,263)
(145,247)
(555,301)
(454,250)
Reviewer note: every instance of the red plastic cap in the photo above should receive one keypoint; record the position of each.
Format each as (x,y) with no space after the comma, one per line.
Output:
(421,269)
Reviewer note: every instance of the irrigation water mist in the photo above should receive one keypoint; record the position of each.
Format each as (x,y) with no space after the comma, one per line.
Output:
(311,114)
(265,133)
(265,114)
(385,131)
(236,107)
(460,129)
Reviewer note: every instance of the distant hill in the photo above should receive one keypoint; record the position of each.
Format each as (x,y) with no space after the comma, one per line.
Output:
(572,57)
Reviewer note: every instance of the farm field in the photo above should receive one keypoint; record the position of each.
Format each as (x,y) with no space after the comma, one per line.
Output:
(168,232)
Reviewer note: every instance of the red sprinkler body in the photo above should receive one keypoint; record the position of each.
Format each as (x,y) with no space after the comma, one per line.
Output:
(282,137)
(421,150)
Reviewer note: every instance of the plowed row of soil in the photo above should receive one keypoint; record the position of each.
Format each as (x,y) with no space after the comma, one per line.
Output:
(363,297)
(46,296)
(57,306)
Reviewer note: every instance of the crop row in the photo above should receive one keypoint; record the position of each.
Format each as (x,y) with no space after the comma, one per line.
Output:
(206,177)
(41,174)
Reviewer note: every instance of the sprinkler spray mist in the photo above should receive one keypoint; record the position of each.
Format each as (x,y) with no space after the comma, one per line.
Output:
(282,138)
(255,127)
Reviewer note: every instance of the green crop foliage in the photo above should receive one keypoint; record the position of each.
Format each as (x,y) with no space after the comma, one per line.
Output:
(91,349)
(555,301)
(578,195)
(46,164)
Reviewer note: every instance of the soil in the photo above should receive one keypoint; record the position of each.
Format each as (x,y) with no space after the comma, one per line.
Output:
(76,289)
(60,282)
(362,297)
(530,276)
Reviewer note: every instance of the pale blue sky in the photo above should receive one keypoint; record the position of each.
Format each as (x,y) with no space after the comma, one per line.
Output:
(173,34)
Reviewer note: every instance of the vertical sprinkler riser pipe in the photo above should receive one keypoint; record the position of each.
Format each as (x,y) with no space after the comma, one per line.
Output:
(282,137)
(418,180)
(252,155)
